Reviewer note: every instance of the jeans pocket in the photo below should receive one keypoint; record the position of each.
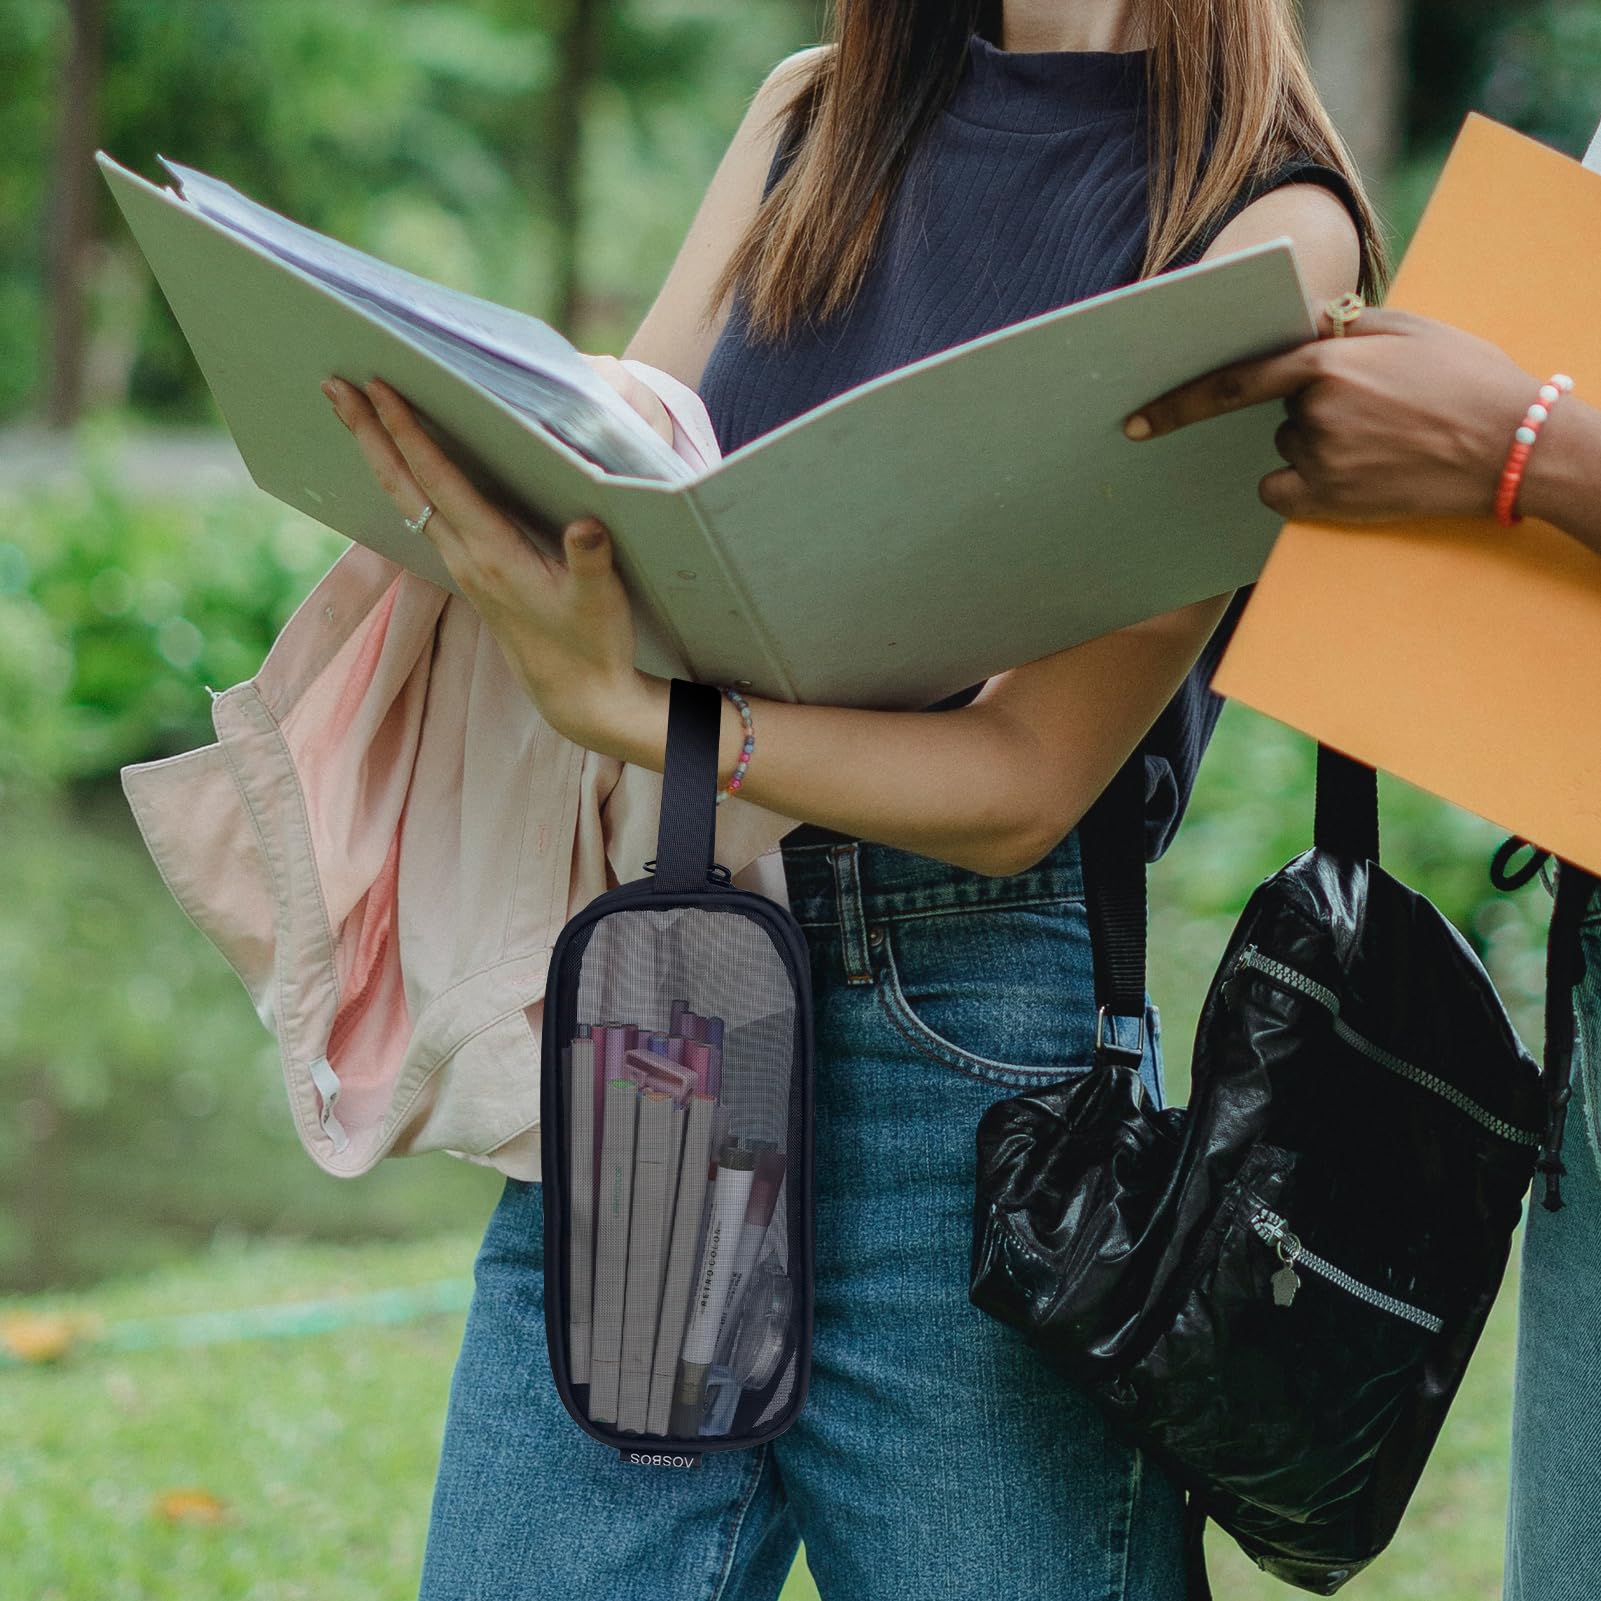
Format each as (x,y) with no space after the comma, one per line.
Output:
(1003,994)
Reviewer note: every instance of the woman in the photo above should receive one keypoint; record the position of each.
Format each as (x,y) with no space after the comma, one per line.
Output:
(911,184)
(1415,419)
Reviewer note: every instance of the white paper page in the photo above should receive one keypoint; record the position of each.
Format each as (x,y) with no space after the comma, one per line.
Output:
(512,336)
(593,431)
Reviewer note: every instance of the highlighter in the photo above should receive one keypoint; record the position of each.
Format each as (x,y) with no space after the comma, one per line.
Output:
(758,1214)
(712,1033)
(736,1172)
(697,1058)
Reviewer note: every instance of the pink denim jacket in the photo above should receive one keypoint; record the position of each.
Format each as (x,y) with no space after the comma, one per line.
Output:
(384,843)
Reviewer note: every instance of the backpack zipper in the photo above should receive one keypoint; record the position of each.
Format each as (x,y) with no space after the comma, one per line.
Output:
(1293,1254)
(1252,958)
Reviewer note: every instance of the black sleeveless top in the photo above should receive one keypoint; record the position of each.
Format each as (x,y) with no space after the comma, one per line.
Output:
(1029,192)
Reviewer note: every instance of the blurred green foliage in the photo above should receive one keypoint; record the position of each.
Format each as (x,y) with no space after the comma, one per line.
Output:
(1534,66)
(419,131)
(116,612)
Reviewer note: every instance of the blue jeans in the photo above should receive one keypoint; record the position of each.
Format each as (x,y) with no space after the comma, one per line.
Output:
(936,1457)
(1553,1550)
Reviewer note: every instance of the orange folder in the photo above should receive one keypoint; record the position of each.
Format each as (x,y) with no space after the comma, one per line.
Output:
(1461,656)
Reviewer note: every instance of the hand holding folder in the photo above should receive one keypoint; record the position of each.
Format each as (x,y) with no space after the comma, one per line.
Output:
(1459,655)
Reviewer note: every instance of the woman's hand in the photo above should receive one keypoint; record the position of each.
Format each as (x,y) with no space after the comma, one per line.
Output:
(566,629)
(1405,417)
(640,396)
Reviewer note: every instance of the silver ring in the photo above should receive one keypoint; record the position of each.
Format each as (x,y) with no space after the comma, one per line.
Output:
(418,523)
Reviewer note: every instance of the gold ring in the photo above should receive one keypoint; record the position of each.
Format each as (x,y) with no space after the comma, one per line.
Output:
(1343,312)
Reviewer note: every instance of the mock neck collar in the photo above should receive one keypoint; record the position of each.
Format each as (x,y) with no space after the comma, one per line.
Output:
(1044,91)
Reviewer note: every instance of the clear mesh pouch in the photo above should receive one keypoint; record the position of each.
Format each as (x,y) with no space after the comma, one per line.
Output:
(676,1109)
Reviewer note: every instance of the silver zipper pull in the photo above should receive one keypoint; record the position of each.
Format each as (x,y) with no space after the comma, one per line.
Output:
(1288,1248)
(1286,1281)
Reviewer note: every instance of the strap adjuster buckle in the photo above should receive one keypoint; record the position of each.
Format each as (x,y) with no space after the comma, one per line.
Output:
(1108,1051)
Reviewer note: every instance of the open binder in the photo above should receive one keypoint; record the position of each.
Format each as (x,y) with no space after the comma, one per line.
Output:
(955,518)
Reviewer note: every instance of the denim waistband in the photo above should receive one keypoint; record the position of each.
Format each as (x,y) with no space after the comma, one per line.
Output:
(869,882)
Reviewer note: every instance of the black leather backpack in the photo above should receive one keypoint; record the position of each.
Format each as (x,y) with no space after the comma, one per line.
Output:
(1275,1291)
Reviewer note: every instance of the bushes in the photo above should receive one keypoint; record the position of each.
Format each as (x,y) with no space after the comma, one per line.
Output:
(117,611)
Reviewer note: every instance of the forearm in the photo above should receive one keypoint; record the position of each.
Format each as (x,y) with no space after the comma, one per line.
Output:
(1563,485)
(935,783)
(991,786)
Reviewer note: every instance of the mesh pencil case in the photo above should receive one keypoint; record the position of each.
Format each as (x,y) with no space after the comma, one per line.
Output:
(676,1109)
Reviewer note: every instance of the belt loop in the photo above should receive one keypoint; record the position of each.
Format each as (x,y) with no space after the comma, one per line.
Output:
(852,918)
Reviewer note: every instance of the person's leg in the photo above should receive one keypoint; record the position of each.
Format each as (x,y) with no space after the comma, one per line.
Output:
(1553,1548)
(937,1458)
(528,1507)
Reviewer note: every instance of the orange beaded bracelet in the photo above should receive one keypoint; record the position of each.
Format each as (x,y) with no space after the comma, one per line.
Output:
(1523,443)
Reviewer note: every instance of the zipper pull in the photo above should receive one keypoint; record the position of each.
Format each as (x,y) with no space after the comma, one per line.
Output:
(1236,973)
(1288,1248)
(1286,1281)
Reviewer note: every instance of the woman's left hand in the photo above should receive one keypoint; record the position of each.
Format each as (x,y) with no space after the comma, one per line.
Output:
(566,628)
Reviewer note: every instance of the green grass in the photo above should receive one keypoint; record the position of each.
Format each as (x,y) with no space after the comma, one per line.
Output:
(322,1448)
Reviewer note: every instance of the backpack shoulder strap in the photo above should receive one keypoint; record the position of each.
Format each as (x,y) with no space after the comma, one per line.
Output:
(1112,835)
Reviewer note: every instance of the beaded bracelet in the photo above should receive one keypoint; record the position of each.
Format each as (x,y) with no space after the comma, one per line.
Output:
(746,750)
(1523,442)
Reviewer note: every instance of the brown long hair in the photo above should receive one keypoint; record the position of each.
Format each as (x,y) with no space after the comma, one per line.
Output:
(1228,80)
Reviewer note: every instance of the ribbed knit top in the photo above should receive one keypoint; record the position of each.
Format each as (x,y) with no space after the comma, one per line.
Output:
(1029,192)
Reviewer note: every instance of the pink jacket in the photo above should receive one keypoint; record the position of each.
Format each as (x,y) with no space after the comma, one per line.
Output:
(384,843)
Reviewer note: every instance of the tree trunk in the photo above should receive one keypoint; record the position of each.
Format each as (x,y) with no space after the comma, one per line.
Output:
(1358,51)
(69,225)
(578,48)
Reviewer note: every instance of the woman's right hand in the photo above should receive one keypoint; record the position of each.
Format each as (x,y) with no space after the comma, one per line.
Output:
(639,395)
(1405,417)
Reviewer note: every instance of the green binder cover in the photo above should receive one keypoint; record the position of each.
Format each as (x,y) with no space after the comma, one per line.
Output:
(957,517)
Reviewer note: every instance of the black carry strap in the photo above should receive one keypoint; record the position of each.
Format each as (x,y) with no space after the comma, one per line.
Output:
(1346,812)
(686,840)
(1564,972)
(1112,835)
(1112,840)
(1197,1586)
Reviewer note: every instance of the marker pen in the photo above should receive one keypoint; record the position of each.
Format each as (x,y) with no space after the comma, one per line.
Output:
(758,1214)
(713,1035)
(697,1058)
(598,1034)
(736,1171)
